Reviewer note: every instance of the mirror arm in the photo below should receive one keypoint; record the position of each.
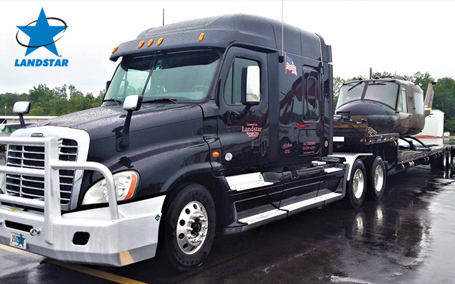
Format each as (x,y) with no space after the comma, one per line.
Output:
(244,112)
(21,119)
(124,141)
(131,104)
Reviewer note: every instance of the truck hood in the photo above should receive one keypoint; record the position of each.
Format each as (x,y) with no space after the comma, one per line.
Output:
(103,121)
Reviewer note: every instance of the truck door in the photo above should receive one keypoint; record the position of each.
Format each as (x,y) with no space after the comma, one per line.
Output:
(243,131)
(311,126)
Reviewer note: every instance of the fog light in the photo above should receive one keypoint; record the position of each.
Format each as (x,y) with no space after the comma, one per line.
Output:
(81,238)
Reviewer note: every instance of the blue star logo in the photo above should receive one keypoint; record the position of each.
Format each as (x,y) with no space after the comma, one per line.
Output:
(20,240)
(42,34)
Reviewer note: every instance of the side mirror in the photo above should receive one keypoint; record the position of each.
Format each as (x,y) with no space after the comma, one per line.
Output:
(131,103)
(251,85)
(21,108)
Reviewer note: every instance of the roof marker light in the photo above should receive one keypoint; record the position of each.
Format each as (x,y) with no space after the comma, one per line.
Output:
(159,41)
(150,43)
(140,44)
(201,37)
(115,49)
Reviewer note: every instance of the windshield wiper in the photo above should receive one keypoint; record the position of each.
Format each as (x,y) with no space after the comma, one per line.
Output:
(354,86)
(118,102)
(162,100)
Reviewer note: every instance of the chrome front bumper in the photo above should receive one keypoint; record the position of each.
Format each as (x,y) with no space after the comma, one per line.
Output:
(116,235)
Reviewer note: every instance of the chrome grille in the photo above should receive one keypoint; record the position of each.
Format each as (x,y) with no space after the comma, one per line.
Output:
(33,157)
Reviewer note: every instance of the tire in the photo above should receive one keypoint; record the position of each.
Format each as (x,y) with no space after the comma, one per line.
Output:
(189,227)
(451,155)
(448,158)
(438,163)
(356,188)
(377,178)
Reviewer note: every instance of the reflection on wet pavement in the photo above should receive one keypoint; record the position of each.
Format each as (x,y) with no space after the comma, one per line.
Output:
(406,238)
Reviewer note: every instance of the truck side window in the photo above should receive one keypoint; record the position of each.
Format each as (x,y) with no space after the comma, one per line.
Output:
(232,89)
(401,106)
(418,103)
(311,95)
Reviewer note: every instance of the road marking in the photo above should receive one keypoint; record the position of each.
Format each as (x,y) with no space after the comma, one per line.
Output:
(75,267)
(19,251)
(94,272)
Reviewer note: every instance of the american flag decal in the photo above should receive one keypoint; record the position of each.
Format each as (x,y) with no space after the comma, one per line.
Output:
(290,65)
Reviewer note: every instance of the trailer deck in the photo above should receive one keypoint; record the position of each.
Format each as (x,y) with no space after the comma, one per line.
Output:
(358,137)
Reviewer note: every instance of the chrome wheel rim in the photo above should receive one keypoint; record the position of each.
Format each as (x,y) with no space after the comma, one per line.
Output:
(192,226)
(378,178)
(358,183)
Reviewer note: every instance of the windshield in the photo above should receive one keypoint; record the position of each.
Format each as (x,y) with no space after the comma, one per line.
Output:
(379,91)
(184,76)
(384,92)
(350,92)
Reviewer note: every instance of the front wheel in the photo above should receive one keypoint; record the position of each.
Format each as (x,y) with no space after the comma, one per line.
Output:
(356,187)
(189,227)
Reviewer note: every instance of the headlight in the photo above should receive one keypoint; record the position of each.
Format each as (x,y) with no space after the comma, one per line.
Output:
(125,184)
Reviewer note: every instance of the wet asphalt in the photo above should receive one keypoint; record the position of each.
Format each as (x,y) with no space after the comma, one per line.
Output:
(408,237)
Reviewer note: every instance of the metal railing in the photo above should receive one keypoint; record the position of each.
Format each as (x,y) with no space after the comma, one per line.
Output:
(51,203)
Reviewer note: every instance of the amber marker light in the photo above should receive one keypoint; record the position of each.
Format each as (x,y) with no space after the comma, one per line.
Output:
(132,187)
(115,49)
(201,37)
(150,43)
(160,41)
(215,154)
(140,44)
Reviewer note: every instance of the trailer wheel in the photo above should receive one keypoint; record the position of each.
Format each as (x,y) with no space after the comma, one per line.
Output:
(377,178)
(357,184)
(189,227)
(439,163)
(448,158)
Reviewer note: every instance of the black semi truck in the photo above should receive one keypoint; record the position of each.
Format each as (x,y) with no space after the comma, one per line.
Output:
(207,125)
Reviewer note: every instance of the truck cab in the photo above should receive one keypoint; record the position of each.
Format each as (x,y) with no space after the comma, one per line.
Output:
(207,125)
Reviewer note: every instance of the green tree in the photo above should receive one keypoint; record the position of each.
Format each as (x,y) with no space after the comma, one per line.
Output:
(422,80)
(381,74)
(36,110)
(444,99)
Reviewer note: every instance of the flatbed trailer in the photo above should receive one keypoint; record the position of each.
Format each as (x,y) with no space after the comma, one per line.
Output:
(359,138)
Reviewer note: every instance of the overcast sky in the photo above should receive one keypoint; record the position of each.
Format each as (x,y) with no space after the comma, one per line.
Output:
(402,37)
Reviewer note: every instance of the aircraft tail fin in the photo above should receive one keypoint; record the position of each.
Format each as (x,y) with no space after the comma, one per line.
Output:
(429,98)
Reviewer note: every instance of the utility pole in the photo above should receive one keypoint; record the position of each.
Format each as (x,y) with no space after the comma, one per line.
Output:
(163,16)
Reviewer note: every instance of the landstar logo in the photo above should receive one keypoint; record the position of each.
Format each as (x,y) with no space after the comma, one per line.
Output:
(42,35)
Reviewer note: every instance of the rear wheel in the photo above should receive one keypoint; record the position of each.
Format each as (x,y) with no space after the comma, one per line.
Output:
(189,227)
(377,178)
(439,163)
(449,158)
(356,188)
